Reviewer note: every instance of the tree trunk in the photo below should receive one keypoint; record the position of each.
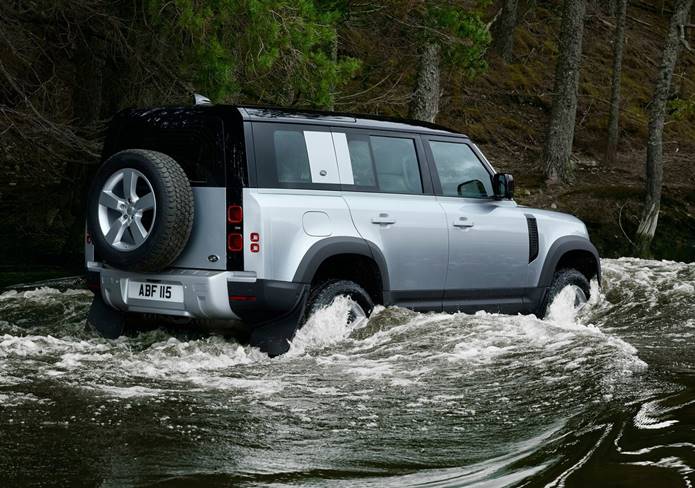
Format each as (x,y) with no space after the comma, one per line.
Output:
(558,145)
(503,41)
(330,105)
(657,118)
(424,104)
(614,111)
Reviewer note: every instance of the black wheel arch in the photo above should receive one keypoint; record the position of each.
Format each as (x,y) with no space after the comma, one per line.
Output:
(571,251)
(331,247)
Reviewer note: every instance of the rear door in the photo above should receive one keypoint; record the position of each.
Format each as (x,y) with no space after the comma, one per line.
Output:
(488,239)
(388,189)
(193,138)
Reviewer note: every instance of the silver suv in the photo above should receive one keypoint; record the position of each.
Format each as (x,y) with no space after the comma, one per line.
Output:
(260,217)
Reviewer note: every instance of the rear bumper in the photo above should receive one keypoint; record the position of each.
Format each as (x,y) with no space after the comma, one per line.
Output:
(232,295)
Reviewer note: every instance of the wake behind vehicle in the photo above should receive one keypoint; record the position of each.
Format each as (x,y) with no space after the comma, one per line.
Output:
(262,216)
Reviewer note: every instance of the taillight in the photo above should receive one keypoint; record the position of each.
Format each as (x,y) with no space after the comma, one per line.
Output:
(235,214)
(235,242)
(242,298)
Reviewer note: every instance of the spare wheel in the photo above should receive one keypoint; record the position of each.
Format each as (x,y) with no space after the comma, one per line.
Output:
(140,210)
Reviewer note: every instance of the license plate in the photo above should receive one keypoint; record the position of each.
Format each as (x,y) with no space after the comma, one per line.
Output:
(155,291)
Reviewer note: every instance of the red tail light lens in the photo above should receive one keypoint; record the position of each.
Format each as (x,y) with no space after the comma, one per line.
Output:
(235,242)
(242,298)
(235,214)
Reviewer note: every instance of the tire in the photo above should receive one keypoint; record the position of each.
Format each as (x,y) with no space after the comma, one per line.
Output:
(130,230)
(323,294)
(561,279)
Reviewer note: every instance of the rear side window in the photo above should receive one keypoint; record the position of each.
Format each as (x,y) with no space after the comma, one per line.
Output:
(397,169)
(295,156)
(290,156)
(387,164)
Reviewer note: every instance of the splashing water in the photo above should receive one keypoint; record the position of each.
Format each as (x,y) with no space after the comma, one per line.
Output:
(596,397)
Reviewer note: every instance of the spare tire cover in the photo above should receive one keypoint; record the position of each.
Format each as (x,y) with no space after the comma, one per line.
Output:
(140,210)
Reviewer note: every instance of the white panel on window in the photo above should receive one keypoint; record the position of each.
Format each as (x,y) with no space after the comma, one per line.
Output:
(342,153)
(324,167)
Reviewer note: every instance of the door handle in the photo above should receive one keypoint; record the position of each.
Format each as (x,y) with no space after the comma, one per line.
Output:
(463,223)
(383,219)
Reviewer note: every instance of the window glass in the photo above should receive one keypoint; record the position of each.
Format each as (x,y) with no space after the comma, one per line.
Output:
(193,140)
(396,165)
(461,173)
(361,161)
(291,157)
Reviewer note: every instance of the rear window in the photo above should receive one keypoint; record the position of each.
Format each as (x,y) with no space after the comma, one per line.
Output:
(194,140)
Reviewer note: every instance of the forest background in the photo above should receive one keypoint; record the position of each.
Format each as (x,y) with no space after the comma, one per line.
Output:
(589,104)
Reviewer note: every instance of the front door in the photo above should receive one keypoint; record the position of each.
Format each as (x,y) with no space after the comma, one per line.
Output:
(488,239)
(392,205)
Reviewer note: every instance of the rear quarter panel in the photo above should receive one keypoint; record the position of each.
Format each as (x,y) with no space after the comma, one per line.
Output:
(288,223)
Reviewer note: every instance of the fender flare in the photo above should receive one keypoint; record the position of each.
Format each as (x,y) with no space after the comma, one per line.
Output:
(333,246)
(559,248)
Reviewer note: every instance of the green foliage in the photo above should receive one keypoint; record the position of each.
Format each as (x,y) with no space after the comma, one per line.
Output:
(456,25)
(461,32)
(268,51)
(683,109)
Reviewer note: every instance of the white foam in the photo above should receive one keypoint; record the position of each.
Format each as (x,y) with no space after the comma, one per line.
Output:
(327,326)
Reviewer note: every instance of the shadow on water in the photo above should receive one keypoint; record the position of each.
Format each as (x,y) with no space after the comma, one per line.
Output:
(606,398)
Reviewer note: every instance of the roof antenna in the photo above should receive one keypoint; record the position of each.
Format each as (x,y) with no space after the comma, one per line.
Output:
(199,99)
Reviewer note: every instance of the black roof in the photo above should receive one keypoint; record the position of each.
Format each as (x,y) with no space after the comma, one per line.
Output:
(341,119)
(287,115)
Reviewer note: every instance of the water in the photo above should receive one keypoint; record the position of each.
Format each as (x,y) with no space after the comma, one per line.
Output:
(605,398)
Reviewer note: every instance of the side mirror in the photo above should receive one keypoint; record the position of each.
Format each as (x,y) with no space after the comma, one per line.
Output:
(503,186)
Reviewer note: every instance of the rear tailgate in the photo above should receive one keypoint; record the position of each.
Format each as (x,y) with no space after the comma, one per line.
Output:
(195,138)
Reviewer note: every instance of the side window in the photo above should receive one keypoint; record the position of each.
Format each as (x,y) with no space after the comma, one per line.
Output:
(361,160)
(294,156)
(395,160)
(460,172)
(291,157)
(355,160)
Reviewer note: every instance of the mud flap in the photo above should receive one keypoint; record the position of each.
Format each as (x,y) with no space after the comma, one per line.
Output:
(109,323)
(273,337)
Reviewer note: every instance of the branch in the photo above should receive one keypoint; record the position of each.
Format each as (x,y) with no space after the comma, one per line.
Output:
(489,25)
(620,223)
(684,41)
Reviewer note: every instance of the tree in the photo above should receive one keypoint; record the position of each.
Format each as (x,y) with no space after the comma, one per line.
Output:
(424,104)
(558,144)
(657,117)
(614,110)
(450,34)
(269,51)
(503,37)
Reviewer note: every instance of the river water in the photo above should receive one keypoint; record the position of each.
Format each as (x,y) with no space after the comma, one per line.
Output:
(605,398)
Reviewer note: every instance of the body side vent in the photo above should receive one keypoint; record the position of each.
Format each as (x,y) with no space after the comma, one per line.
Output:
(532,237)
